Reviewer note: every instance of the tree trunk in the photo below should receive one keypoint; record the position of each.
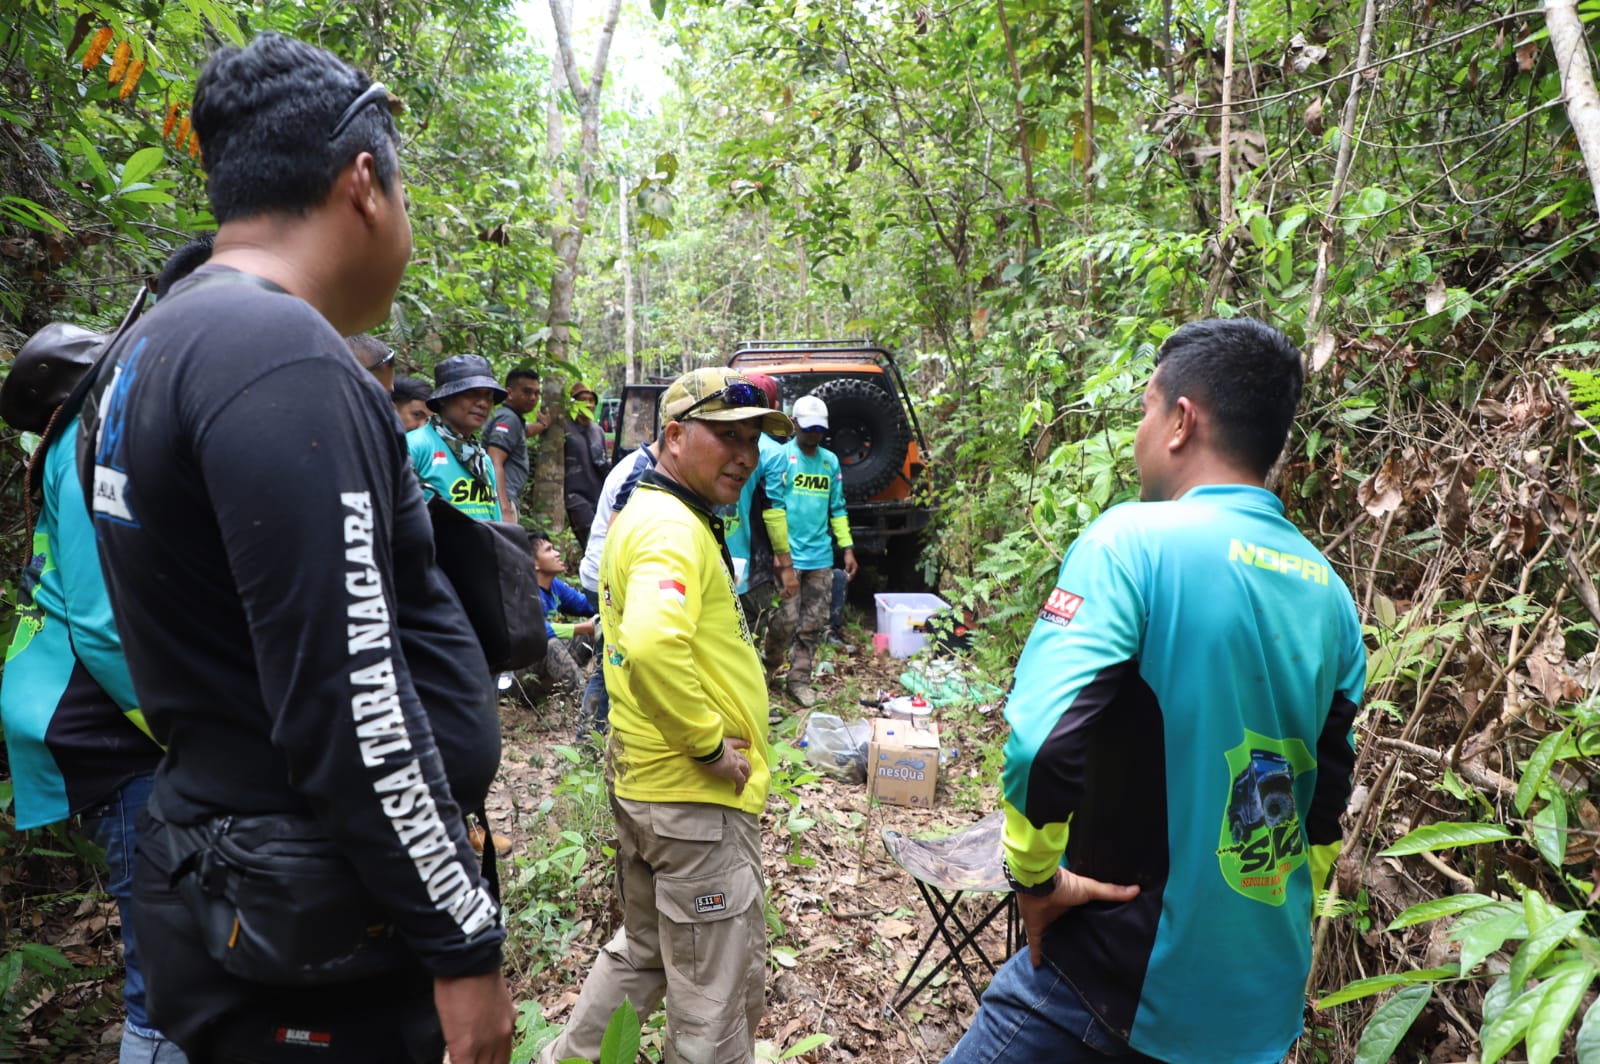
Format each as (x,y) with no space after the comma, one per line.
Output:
(628,374)
(1577,83)
(566,229)
(549,472)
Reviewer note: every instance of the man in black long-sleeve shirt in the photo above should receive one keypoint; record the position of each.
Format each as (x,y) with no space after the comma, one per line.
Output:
(270,563)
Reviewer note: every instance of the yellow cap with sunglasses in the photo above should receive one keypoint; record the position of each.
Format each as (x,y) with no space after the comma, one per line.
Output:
(716,394)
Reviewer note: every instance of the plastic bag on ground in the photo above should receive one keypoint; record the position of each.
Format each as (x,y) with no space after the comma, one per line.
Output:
(946,686)
(836,747)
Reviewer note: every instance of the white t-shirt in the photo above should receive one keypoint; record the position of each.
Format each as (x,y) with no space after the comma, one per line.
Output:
(614,493)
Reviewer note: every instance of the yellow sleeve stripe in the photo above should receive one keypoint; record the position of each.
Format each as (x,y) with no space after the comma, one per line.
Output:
(1032,854)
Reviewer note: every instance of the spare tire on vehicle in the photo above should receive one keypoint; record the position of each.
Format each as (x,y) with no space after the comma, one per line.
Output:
(867,429)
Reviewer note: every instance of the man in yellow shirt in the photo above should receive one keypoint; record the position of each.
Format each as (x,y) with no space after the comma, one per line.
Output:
(688,755)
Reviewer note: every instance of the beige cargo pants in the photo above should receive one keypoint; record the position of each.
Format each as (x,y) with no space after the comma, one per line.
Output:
(692,930)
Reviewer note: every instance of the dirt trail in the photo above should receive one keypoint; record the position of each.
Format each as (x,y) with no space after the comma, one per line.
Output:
(852,919)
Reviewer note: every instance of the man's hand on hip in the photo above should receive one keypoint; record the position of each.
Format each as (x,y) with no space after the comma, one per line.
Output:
(732,765)
(477,1016)
(1071,891)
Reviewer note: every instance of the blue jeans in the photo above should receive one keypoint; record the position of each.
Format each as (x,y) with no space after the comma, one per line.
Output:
(113,826)
(596,711)
(1033,1014)
(841,584)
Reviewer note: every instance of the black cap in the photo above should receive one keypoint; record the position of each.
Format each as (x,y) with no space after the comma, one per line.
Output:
(462,373)
(44,373)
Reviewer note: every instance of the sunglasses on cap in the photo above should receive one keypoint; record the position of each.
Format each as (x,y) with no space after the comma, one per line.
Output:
(739,393)
(813,428)
(375,92)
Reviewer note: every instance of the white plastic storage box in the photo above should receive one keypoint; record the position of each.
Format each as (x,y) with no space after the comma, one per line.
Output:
(903,616)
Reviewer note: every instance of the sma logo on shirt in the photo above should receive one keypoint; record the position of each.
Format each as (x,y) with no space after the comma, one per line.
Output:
(817,482)
(466,491)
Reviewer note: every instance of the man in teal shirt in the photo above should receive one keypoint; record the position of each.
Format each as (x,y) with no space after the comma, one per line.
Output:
(761,555)
(75,735)
(445,452)
(806,497)
(1180,746)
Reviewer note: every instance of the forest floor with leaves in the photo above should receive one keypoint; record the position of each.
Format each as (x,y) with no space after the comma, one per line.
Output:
(845,922)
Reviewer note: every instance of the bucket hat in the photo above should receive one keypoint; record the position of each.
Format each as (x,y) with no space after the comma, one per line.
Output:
(462,373)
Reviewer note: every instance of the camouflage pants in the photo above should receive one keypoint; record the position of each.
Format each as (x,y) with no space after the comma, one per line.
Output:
(759,605)
(566,676)
(800,621)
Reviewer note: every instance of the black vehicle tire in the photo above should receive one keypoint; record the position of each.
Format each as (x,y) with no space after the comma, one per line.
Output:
(868,431)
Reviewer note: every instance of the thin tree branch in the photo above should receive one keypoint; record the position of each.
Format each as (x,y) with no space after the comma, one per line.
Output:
(1022,125)
(1577,83)
(569,62)
(1341,171)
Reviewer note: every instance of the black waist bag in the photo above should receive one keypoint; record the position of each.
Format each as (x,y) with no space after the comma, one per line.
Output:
(491,568)
(278,904)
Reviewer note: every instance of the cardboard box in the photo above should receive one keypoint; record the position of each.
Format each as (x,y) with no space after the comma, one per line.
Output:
(903,762)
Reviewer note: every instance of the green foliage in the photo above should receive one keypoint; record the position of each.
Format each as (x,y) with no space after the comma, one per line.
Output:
(1390,1023)
(1585,387)
(620,1043)
(31,973)
(543,882)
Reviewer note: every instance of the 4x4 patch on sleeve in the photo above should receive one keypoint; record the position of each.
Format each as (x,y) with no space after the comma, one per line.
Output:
(711,903)
(1060,607)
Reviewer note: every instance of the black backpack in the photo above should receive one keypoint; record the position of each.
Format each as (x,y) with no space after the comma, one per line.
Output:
(491,568)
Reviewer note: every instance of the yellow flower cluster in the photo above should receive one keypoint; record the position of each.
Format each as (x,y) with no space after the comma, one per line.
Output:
(124,67)
(128,71)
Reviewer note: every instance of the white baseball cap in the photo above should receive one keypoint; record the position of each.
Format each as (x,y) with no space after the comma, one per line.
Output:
(810,413)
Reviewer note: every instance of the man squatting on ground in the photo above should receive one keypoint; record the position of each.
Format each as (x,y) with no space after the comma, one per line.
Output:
(225,562)
(1180,727)
(687,750)
(566,676)
(806,494)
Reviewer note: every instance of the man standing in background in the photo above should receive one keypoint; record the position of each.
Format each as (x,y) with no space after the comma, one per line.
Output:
(767,570)
(507,436)
(585,461)
(807,496)
(445,452)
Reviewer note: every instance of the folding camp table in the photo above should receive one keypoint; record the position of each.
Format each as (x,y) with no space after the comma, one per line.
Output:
(945,870)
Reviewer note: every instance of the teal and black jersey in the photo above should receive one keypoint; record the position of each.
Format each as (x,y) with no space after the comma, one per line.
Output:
(73,729)
(739,524)
(809,490)
(442,474)
(1181,720)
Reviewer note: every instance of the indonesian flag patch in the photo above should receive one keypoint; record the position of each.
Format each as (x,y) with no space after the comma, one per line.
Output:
(1061,607)
(672,590)
(440,457)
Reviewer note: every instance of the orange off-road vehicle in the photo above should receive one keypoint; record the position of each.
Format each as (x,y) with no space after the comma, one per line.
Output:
(872,428)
